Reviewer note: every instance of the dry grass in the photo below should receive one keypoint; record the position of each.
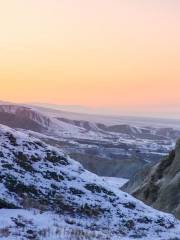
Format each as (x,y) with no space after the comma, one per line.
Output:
(4,232)
(71,234)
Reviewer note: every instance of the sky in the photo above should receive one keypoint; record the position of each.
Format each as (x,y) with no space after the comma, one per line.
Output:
(120,56)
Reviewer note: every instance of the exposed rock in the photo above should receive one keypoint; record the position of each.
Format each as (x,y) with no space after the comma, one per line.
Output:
(161,187)
(23,117)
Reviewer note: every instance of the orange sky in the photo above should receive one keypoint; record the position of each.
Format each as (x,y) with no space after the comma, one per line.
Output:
(119,54)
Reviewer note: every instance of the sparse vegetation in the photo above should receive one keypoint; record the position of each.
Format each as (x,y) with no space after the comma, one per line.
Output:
(98,189)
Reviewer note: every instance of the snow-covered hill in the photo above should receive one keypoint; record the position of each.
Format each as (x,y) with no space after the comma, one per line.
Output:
(57,125)
(65,196)
(108,150)
(23,117)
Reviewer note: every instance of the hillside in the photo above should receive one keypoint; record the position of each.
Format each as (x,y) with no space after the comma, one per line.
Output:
(118,150)
(23,117)
(63,195)
(160,187)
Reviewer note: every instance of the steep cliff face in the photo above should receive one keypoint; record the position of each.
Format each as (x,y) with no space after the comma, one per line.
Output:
(23,117)
(161,188)
(35,175)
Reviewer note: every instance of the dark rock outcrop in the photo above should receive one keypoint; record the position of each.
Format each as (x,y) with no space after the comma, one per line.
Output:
(161,187)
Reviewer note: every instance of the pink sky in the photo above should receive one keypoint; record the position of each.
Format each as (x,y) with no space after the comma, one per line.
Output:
(115,54)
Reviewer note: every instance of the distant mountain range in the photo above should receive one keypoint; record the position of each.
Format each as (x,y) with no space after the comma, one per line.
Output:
(116,150)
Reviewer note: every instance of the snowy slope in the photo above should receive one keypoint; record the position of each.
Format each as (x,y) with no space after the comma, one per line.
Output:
(57,125)
(152,139)
(118,182)
(50,126)
(36,176)
(26,113)
(119,150)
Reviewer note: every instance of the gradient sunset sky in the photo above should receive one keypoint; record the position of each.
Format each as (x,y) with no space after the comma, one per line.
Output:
(121,55)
